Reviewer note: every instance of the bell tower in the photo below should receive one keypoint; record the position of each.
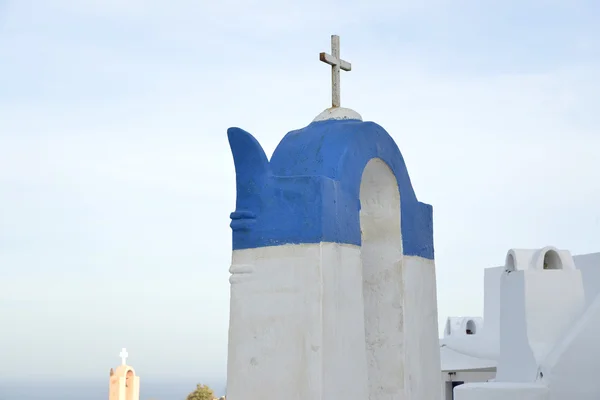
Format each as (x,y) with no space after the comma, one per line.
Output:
(124,384)
(328,237)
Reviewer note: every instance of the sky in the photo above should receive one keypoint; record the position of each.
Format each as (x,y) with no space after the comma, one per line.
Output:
(116,179)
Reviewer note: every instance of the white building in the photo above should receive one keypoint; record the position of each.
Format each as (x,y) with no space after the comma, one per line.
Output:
(542,316)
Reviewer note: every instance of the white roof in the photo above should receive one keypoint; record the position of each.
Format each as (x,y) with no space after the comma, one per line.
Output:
(587,260)
(453,360)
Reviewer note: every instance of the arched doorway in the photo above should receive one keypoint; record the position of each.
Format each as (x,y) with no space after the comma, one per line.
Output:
(381,256)
(552,260)
(471,327)
(129,385)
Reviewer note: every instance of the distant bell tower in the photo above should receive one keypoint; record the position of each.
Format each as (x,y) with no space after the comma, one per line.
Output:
(124,384)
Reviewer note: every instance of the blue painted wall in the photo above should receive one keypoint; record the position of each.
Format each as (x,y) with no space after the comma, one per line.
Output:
(309,191)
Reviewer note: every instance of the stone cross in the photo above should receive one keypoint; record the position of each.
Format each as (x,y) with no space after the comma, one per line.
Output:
(123,356)
(337,64)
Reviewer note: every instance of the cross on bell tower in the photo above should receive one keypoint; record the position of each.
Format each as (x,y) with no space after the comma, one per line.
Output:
(337,64)
(123,356)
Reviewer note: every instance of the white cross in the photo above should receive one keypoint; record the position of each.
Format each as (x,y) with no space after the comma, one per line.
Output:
(123,356)
(336,64)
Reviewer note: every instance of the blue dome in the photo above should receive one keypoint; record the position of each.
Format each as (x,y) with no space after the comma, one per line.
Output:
(309,191)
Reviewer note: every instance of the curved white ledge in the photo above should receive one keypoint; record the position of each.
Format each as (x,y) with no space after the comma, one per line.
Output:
(483,347)
(338,113)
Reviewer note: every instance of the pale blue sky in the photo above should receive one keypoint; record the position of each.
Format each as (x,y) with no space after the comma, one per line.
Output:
(116,180)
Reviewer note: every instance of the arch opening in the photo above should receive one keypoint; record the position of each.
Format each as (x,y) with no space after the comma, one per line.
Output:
(448,329)
(552,260)
(129,385)
(381,256)
(510,263)
(471,327)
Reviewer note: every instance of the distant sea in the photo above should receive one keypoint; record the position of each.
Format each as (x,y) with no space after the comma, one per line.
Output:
(150,389)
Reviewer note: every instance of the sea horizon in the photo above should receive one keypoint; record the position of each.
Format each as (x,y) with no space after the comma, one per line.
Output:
(78,389)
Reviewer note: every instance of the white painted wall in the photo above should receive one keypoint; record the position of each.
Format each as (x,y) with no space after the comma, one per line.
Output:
(276,328)
(538,308)
(297,323)
(587,260)
(571,369)
(491,303)
(589,265)
(422,353)
(516,361)
(344,356)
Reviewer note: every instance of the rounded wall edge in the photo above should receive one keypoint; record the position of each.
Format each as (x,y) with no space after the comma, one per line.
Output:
(536,259)
(122,370)
(518,259)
